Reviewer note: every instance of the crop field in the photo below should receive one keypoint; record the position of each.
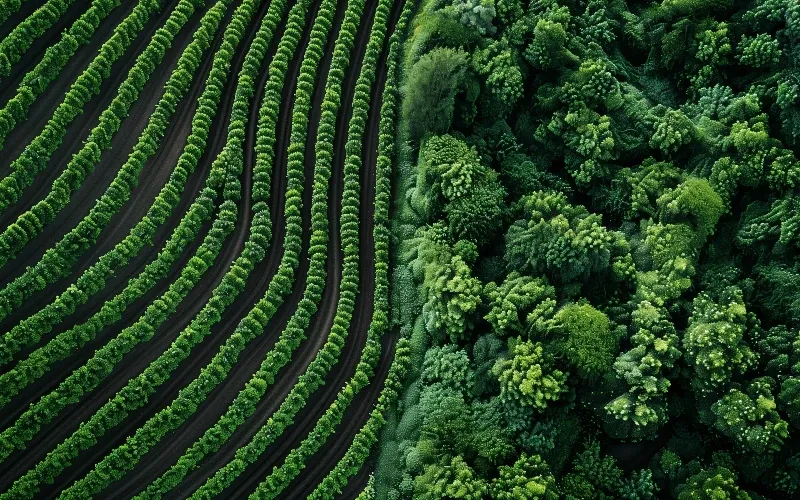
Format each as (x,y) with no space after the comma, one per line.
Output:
(400,249)
(194,205)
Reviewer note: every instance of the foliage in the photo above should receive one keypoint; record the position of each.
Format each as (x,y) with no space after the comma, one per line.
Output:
(528,378)
(750,418)
(589,345)
(633,167)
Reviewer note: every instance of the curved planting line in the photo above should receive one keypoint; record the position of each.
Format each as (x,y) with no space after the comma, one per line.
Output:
(101,364)
(359,450)
(57,261)
(56,57)
(253,324)
(14,46)
(296,460)
(136,392)
(94,279)
(244,405)
(35,156)
(32,222)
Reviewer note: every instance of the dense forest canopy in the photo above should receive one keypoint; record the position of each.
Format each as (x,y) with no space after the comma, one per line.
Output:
(596,231)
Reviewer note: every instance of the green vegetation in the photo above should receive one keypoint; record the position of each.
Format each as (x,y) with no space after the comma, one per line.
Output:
(596,251)
(14,46)
(55,58)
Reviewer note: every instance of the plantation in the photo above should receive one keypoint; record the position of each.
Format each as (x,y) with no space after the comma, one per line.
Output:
(399,249)
(195,205)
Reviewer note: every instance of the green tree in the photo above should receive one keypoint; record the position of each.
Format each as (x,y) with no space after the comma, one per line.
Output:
(453,299)
(431,88)
(528,377)
(528,479)
(453,479)
(520,304)
(589,345)
(711,484)
(639,412)
(714,341)
(564,241)
(750,419)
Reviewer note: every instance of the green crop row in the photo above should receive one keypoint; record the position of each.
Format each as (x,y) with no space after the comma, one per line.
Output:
(125,457)
(57,262)
(192,396)
(359,450)
(36,155)
(9,7)
(55,58)
(102,363)
(138,389)
(14,46)
(244,405)
(281,476)
(32,222)
(94,278)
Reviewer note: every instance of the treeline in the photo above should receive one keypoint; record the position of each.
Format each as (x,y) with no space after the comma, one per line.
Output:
(596,251)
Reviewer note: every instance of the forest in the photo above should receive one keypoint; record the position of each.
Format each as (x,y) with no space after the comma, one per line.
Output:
(596,232)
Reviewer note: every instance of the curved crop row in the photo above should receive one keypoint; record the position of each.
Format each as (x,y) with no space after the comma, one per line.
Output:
(13,47)
(281,476)
(55,59)
(102,363)
(49,268)
(58,261)
(136,392)
(360,448)
(253,324)
(120,460)
(244,405)
(93,279)
(33,221)
(36,155)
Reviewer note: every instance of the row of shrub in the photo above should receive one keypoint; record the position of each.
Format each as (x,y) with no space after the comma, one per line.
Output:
(192,396)
(122,459)
(16,43)
(35,156)
(32,222)
(30,330)
(7,8)
(58,261)
(88,376)
(296,461)
(354,458)
(54,60)
(232,283)
(244,405)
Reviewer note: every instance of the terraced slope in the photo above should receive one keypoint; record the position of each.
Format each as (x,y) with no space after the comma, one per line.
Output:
(194,246)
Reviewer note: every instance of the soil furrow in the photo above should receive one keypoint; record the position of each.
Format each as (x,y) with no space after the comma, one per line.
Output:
(323,320)
(354,419)
(133,363)
(35,52)
(140,357)
(221,396)
(164,160)
(319,401)
(79,129)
